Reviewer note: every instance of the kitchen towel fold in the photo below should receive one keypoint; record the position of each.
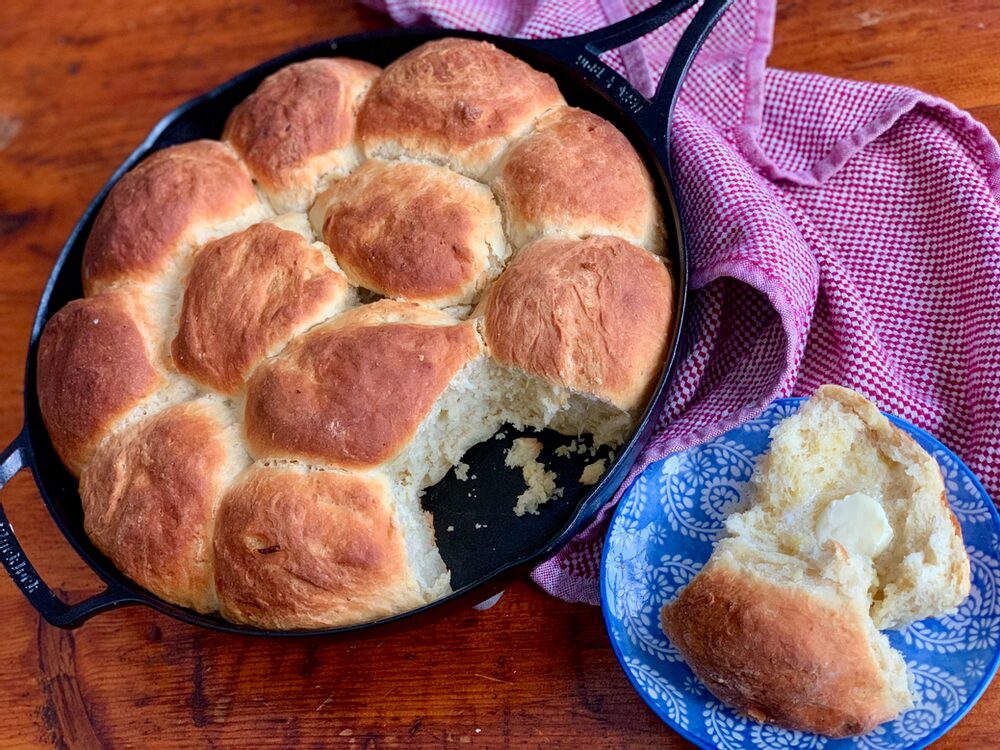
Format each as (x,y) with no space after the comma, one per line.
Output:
(837,232)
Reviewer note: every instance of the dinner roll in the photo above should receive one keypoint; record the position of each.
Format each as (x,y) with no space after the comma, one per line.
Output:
(149,499)
(297,129)
(413,231)
(247,294)
(590,319)
(94,366)
(178,197)
(353,392)
(785,644)
(309,550)
(848,530)
(576,174)
(456,102)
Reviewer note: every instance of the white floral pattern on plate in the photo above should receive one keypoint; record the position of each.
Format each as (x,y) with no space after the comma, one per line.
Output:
(661,535)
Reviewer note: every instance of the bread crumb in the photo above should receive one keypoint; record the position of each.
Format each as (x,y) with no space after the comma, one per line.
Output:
(592,472)
(524,453)
(500,435)
(575,446)
(450,528)
(462,471)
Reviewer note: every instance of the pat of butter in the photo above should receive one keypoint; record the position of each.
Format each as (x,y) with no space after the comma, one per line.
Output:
(858,522)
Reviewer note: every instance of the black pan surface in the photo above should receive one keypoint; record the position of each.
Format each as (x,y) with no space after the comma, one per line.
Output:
(480,539)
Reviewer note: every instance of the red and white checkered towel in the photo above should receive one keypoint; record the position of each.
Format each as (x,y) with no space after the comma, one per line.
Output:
(838,232)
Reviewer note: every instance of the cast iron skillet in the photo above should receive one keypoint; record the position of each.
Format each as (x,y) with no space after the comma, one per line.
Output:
(481,541)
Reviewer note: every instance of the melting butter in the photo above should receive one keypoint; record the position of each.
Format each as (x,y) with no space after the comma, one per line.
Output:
(858,522)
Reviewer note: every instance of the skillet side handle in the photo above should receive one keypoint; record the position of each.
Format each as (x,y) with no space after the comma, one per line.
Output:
(581,52)
(684,53)
(570,48)
(23,573)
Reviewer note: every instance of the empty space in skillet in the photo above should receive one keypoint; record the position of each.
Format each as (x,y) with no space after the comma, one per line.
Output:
(474,522)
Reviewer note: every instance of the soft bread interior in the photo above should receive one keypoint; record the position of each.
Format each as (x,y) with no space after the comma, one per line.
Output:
(524,400)
(459,419)
(837,445)
(422,553)
(479,399)
(485,395)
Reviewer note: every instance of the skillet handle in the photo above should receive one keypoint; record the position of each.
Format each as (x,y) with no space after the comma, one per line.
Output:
(684,53)
(654,115)
(617,34)
(23,573)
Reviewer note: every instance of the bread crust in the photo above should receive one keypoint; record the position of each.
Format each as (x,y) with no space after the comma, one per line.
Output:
(590,315)
(351,393)
(414,231)
(155,208)
(780,655)
(297,550)
(247,294)
(149,500)
(94,366)
(290,129)
(577,174)
(454,100)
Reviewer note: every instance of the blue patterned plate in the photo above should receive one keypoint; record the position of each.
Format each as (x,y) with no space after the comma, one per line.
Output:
(661,535)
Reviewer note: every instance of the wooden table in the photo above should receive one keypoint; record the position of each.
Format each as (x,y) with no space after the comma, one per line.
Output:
(80,85)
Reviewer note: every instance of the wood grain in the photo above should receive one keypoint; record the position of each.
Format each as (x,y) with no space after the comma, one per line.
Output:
(81,85)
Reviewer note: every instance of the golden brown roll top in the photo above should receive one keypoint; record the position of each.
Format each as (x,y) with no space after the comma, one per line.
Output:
(94,366)
(453,101)
(149,499)
(298,550)
(782,654)
(589,315)
(413,231)
(298,128)
(576,174)
(247,294)
(178,196)
(352,392)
